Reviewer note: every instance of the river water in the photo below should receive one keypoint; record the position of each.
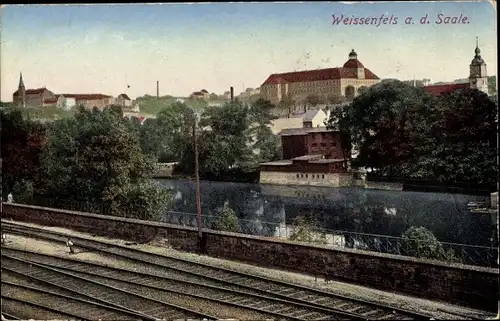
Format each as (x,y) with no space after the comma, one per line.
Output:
(349,209)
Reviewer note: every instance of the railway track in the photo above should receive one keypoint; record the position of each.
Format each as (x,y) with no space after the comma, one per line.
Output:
(159,286)
(356,308)
(57,305)
(139,306)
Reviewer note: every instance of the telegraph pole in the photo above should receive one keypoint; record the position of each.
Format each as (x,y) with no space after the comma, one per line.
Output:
(197,175)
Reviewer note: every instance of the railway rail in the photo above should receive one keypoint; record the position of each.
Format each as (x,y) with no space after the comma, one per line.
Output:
(58,305)
(99,294)
(159,286)
(348,307)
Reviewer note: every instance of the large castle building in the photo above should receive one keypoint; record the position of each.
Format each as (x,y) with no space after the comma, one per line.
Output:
(328,84)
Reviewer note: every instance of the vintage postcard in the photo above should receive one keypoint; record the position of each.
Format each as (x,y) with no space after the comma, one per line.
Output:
(249,161)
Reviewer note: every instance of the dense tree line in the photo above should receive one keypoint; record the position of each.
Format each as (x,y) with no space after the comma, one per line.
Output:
(401,131)
(235,135)
(101,157)
(94,158)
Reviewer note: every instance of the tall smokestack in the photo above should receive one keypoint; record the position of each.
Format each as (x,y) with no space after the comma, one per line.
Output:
(232,94)
(157,89)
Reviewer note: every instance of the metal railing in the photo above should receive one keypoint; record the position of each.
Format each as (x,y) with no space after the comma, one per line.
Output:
(443,251)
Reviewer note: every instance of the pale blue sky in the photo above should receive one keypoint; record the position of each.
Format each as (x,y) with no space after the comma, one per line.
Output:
(187,47)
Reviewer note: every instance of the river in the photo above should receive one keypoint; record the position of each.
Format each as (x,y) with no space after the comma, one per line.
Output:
(348,209)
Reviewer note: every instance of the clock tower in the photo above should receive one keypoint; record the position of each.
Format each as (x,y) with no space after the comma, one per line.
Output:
(478,78)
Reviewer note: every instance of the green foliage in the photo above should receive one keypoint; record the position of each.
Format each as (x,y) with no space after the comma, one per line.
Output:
(225,144)
(307,230)
(21,149)
(401,131)
(260,133)
(382,122)
(286,104)
(96,157)
(420,242)
(461,142)
(226,220)
(23,191)
(313,99)
(165,136)
(152,105)
(492,85)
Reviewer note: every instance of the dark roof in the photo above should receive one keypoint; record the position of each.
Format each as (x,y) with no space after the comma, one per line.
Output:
(51,100)
(353,63)
(33,91)
(315,75)
(284,162)
(308,157)
(437,90)
(86,96)
(124,96)
(310,114)
(327,161)
(204,91)
(304,131)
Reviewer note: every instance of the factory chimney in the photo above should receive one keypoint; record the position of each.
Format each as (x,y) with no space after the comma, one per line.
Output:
(158,89)
(232,94)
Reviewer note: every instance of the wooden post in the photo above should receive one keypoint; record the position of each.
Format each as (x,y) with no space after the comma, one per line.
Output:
(197,175)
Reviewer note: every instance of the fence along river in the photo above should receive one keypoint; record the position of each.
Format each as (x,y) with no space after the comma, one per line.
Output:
(358,213)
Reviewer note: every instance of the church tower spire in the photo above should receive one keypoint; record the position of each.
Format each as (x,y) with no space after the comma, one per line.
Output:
(478,78)
(21,92)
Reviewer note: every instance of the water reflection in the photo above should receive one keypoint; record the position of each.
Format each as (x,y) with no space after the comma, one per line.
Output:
(268,210)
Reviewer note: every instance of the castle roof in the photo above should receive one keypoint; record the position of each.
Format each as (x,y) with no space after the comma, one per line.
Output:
(347,71)
(318,74)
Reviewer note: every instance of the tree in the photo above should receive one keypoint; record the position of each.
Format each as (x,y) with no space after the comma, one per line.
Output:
(226,220)
(307,230)
(213,96)
(313,99)
(461,145)
(224,142)
(94,157)
(262,138)
(420,242)
(385,123)
(334,99)
(21,149)
(286,104)
(164,136)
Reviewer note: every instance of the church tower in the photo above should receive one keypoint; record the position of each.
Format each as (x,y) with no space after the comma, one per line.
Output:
(21,93)
(478,78)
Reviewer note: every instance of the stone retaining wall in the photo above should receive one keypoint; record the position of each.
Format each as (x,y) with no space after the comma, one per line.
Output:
(467,285)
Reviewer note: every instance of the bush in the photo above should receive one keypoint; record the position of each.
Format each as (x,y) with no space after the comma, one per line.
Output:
(420,242)
(23,191)
(226,220)
(307,230)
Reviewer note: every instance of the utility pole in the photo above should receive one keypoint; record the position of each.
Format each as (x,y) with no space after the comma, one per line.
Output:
(197,175)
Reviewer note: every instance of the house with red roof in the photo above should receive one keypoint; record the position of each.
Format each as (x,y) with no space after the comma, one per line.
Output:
(346,81)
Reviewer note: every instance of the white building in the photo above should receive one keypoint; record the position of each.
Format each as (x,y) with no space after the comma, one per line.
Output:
(311,118)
